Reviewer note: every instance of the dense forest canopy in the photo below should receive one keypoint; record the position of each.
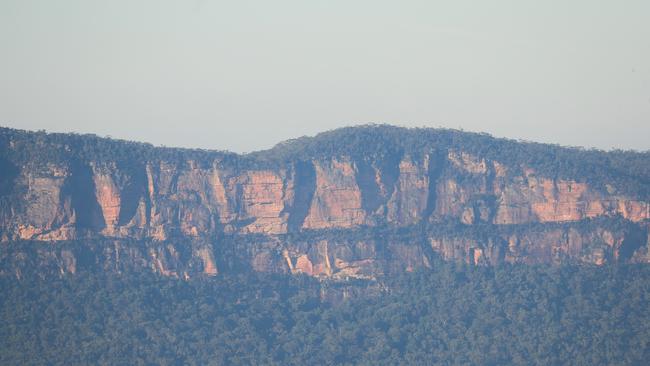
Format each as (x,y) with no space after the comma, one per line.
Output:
(451,315)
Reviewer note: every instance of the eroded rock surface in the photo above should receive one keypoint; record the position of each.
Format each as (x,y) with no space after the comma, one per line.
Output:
(170,201)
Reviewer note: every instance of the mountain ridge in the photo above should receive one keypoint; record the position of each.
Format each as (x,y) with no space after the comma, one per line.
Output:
(307,147)
(199,212)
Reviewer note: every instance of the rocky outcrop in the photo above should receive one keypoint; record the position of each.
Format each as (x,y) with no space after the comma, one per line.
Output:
(337,200)
(529,198)
(165,200)
(264,198)
(47,211)
(108,198)
(361,254)
(408,202)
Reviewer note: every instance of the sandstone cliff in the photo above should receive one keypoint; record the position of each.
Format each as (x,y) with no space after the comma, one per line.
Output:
(64,189)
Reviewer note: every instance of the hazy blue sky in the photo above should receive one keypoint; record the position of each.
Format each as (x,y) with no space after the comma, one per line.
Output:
(244,75)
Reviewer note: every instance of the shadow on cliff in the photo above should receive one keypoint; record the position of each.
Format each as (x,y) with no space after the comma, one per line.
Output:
(366,180)
(134,190)
(372,197)
(8,174)
(634,239)
(437,163)
(80,187)
(305,186)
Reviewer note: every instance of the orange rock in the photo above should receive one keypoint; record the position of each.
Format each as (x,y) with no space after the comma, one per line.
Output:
(219,196)
(337,200)
(262,199)
(475,255)
(209,267)
(467,162)
(60,233)
(69,261)
(45,205)
(634,210)
(108,198)
(451,198)
(287,258)
(500,170)
(158,263)
(304,265)
(27,232)
(468,216)
(150,182)
(563,201)
(409,199)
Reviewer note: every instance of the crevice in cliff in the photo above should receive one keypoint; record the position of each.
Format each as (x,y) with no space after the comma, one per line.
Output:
(490,177)
(238,206)
(635,238)
(8,176)
(80,187)
(173,183)
(366,179)
(430,256)
(389,172)
(436,165)
(305,187)
(131,194)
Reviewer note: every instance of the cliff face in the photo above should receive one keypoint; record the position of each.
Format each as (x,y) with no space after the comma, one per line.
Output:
(209,201)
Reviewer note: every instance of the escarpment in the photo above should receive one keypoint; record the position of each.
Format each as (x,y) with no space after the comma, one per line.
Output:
(301,209)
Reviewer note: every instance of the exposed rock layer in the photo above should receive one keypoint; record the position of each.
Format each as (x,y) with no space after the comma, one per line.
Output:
(171,201)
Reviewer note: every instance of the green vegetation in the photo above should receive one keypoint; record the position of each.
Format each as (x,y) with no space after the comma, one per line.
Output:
(627,171)
(451,315)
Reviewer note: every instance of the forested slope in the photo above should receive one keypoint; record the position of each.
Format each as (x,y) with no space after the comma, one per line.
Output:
(450,315)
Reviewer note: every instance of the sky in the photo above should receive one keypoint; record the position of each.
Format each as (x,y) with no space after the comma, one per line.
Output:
(244,75)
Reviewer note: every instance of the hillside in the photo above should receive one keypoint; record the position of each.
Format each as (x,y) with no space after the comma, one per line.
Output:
(357,202)
(449,315)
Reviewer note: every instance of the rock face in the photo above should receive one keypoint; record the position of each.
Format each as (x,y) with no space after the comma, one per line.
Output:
(337,199)
(214,201)
(408,202)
